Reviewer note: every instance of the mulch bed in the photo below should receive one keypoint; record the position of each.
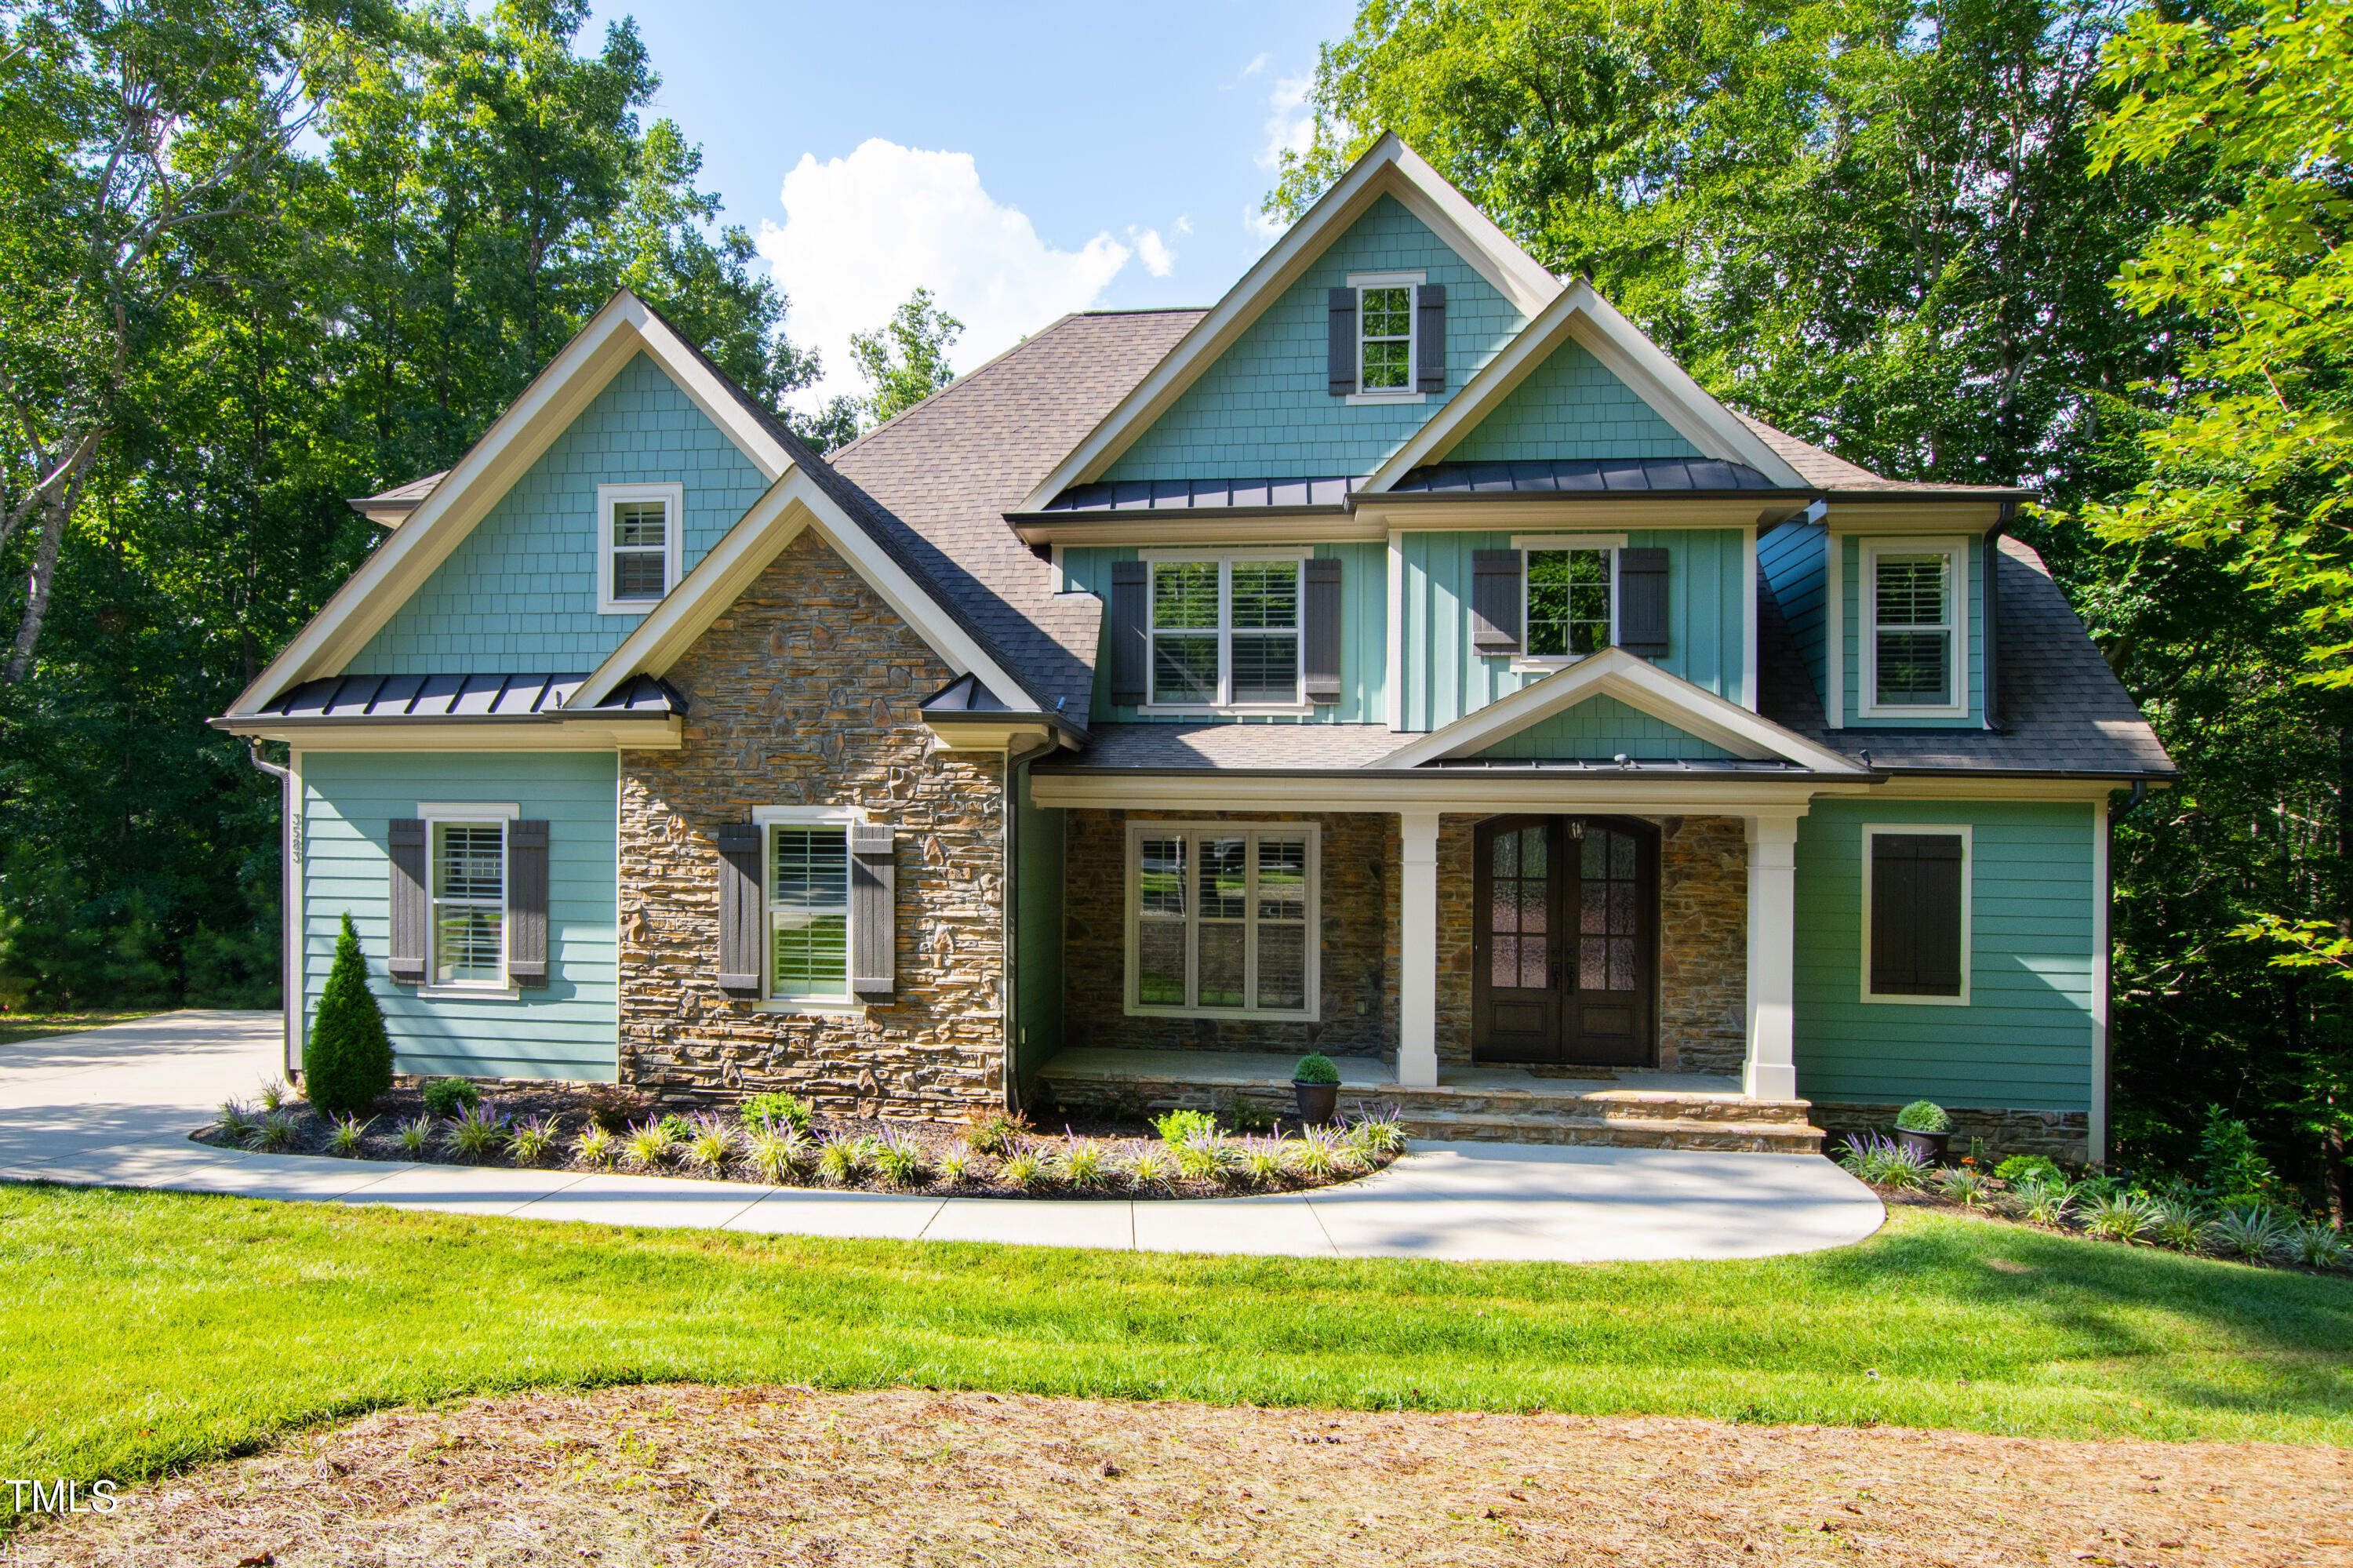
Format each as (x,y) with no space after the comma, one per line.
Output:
(1120,1139)
(693,1475)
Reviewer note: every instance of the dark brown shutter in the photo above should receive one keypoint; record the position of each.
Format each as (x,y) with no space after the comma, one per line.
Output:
(873,882)
(1495,601)
(412,916)
(1429,338)
(739,906)
(1642,602)
(1915,915)
(1342,311)
(527,903)
(1319,663)
(1131,635)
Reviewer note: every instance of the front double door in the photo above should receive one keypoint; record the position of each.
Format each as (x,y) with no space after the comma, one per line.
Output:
(1564,941)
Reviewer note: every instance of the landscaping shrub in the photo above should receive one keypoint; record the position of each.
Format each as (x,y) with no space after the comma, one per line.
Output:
(534,1139)
(777,1109)
(1247,1115)
(995,1131)
(1184,1126)
(416,1135)
(347,1060)
(476,1132)
(647,1145)
(711,1145)
(349,1137)
(898,1160)
(1882,1161)
(2020,1168)
(1923,1115)
(1315,1068)
(594,1146)
(451,1097)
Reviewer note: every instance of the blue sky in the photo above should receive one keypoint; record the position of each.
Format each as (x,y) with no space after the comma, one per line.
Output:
(1020,164)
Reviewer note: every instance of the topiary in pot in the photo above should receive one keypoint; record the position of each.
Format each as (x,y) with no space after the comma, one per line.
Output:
(1925,1128)
(347,1060)
(1316,1084)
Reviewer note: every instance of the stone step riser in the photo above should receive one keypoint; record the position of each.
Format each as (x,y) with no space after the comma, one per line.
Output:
(1718,1137)
(1762,1114)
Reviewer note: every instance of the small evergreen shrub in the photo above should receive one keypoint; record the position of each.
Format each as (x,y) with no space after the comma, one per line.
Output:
(777,1109)
(1315,1068)
(1249,1116)
(449,1099)
(347,1060)
(1923,1115)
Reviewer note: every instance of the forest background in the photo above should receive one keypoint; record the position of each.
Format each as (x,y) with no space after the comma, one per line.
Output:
(257,256)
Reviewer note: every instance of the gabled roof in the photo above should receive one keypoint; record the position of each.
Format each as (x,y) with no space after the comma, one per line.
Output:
(390,508)
(1828,471)
(1641,685)
(1388,168)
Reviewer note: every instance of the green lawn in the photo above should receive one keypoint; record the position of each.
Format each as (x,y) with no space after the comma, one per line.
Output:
(17,1026)
(145,1329)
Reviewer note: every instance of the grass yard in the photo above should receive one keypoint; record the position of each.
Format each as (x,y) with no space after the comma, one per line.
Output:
(19,1026)
(146,1330)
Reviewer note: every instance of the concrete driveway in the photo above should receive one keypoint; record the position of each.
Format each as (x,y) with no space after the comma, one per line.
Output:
(114,1106)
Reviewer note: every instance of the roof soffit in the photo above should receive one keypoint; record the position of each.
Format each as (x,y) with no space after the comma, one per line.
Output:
(1388,167)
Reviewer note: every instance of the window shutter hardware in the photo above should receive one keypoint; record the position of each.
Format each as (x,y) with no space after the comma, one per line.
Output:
(1642,602)
(411,920)
(1429,338)
(1131,649)
(1341,312)
(527,903)
(1495,601)
(740,911)
(873,886)
(1319,669)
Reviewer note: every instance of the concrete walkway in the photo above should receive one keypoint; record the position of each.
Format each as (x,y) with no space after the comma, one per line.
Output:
(114,1106)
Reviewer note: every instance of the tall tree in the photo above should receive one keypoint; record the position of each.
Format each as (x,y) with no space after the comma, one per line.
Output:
(905,359)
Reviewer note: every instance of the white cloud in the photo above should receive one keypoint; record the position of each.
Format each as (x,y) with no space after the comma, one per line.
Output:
(1290,123)
(1154,252)
(864,232)
(1259,62)
(1185,225)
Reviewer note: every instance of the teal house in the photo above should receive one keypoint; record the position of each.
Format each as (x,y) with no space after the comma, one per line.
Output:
(1401,658)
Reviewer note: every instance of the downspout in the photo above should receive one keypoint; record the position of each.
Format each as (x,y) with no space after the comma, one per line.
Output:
(1009,916)
(2108,960)
(1993,615)
(290,993)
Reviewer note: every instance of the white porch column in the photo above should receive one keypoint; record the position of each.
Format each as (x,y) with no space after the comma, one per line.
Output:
(1418,951)
(1772,1068)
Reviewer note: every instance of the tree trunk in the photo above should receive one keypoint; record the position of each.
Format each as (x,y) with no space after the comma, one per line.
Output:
(54,511)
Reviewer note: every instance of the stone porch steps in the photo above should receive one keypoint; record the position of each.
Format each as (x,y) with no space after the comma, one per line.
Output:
(1616,1132)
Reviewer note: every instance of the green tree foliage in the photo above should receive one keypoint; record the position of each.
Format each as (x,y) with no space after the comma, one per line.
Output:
(337,312)
(905,360)
(347,1057)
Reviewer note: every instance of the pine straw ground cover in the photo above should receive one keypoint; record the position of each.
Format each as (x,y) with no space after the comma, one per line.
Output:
(687,1474)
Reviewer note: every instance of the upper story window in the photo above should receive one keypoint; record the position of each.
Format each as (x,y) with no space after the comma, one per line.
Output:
(1914,593)
(1571,602)
(1385,358)
(1225,632)
(638,530)
(1388,338)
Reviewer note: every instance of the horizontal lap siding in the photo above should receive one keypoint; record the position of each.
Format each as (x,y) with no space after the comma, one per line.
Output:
(1707,633)
(563,1030)
(2025,1040)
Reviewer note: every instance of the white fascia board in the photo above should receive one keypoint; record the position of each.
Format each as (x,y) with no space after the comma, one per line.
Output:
(1388,168)
(1641,685)
(1475,792)
(440,523)
(792,503)
(987,732)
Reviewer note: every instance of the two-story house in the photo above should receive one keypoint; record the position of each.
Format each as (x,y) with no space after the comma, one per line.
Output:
(1402,658)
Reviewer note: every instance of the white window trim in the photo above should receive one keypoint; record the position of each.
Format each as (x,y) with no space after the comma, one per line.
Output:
(1226,561)
(1968,880)
(1132,874)
(503,813)
(1957,555)
(1413,282)
(1544,663)
(765,818)
(673,497)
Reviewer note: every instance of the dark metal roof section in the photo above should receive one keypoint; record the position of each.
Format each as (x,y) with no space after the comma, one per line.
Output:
(444,697)
(1581,476)
(1196,494)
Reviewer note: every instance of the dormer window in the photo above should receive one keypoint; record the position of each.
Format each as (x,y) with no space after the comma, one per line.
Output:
(1913,653)
(637,528)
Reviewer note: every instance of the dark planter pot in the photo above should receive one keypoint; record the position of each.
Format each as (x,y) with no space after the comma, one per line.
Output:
(1316,1101)
(1928,1146)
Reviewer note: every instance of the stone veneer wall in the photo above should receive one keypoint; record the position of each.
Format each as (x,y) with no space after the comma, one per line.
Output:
(804,694)
(1359,1014)
(2057,1135)
(1703,942)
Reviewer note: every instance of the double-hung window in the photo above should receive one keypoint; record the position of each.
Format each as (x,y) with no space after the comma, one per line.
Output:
(1222,919)
(1225,632)
(1912,654)
(1572,602)
(808,911)
(1385,339)
(468,880)
(637,528)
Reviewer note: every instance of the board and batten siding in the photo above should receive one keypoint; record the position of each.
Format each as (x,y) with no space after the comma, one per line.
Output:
(1037,931)
(1363,631)
(566,1029)
(519,593)
(1850,548)
(2024,1040)
(1793,559)
(1706,620)
(1265,410)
